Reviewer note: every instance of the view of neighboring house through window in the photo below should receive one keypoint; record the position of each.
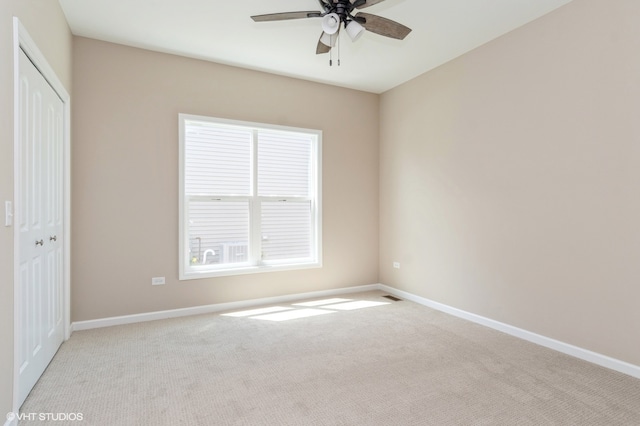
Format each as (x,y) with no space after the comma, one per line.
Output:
(249,197)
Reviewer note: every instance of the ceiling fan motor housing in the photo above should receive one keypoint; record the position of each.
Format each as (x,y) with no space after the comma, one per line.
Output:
(343,9)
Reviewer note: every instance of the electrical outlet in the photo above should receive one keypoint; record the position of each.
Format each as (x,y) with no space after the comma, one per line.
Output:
(157,281)
(396,265)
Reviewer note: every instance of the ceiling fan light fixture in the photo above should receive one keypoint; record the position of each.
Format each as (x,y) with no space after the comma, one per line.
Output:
(355,30)
(331,23)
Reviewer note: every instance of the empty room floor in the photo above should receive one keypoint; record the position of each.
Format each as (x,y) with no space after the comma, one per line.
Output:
(359,359)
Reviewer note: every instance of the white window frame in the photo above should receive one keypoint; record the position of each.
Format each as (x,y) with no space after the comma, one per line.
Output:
(255,264)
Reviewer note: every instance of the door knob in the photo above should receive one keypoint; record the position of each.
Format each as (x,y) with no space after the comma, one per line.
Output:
(39,243)
(54,238)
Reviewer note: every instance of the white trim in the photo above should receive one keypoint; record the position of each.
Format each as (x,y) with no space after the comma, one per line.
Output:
(247,269)
(22,40)
(207,309)
(583,354)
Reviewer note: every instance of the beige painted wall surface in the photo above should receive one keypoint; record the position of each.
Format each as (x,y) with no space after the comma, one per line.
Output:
(47,26)
(510,179)
(125,177)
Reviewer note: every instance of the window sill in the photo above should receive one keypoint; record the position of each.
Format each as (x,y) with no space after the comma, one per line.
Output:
(243,270)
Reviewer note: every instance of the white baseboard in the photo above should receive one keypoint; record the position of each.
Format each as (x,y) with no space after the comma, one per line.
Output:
(584,354)
(197,310)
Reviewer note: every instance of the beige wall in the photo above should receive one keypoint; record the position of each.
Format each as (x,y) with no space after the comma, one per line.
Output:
(125,177)
(46,24)
(510,176)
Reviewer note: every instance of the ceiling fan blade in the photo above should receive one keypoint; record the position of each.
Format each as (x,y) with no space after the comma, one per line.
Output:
(286,15)
(383,26)
(326,42)
(322,48)
(361,4)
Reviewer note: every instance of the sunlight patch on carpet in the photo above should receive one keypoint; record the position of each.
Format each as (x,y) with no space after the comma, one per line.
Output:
(293,314)
(358,304)
(322,302)
(253,312)
(305,309)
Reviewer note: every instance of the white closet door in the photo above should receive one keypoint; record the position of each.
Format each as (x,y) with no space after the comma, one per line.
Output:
(40,222)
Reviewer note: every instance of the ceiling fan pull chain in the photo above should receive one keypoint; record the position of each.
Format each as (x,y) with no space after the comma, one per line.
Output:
(338,49)
(331,57)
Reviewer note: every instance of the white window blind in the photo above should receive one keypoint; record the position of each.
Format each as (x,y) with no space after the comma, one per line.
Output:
(218,161)
(284,164)
(286,232)
(249,197)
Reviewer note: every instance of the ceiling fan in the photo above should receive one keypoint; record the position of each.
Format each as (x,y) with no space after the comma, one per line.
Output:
(337,13)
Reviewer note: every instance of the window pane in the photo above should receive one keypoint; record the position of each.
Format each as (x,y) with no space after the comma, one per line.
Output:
(218,232)
(286,230)
(284,164)
(217,160)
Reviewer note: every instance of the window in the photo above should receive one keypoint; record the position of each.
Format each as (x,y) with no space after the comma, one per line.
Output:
(249,197)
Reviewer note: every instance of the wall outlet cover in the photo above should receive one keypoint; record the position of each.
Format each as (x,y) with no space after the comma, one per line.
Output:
(157,281)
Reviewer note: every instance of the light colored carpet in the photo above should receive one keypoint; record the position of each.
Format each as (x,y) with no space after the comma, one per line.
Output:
(394,364)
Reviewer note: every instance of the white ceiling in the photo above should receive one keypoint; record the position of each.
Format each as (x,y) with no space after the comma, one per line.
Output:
(221,31)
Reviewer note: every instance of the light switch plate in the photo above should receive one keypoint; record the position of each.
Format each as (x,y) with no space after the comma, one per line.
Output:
(8,213)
